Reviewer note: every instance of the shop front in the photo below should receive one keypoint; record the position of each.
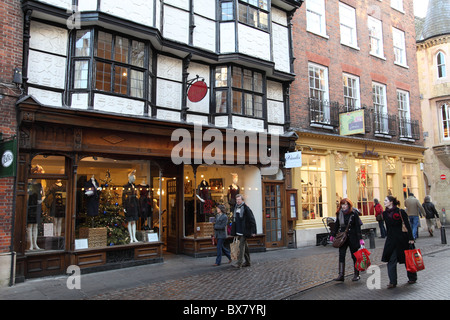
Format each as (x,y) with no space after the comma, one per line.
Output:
(101,191)
(335,167)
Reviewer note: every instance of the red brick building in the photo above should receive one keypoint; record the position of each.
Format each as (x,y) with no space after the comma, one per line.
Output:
(358,62)
(10,58)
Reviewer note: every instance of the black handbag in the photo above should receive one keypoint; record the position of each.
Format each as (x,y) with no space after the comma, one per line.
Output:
(341,237)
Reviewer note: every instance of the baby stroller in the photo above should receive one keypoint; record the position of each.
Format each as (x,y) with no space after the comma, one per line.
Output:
(328,222)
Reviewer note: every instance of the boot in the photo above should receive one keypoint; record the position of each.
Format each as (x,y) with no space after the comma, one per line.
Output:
(341,272)
(356,276)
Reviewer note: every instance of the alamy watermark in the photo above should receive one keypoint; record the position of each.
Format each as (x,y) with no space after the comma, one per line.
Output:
(74,21)
(189,150)
(74,279)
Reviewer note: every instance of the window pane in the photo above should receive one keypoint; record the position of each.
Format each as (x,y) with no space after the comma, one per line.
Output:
(81,74)
(137,84)
(221,101)
(121,50)
(242,13)
(137,53)
(237,77)
(248,100)
(237,102)
(248,80)
(258,82)
(103,76)
(227,11)
(258,107)
(104,45)
(252,17)
(221,76)
(263,20)
(120,80)
(83,43)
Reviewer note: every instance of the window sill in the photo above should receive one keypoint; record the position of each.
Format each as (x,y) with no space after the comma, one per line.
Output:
(376,56)
(351,46)
(401,65)
(319,34)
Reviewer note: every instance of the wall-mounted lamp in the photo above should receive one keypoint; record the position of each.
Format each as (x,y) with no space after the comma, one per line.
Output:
(17,76)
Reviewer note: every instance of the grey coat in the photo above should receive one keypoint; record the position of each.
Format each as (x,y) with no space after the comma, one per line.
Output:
(220,226)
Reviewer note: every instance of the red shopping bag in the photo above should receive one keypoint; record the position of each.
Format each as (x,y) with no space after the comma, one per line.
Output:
(362,259)
(414,260)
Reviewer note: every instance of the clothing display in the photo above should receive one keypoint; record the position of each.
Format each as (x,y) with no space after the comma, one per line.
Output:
(130,202)
(92,194)
(34,203)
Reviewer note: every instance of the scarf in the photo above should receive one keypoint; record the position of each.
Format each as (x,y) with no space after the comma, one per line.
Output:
(341,217)
(239,210)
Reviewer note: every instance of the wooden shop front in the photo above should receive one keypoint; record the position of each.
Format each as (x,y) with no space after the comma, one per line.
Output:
(63,153)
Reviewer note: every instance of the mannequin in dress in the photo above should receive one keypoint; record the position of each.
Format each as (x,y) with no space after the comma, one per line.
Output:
(92,193)
(131,205)
(34,209)
(233,190)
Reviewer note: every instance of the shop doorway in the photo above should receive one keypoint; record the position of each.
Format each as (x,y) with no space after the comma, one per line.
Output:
(274,214)
(390,184)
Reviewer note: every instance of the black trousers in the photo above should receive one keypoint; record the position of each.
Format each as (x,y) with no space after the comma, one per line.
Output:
(343,251)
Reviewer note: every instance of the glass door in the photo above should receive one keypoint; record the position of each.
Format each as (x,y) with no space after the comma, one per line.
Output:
(273,214)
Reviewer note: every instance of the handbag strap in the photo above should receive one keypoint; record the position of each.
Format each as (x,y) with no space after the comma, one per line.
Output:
(348,224)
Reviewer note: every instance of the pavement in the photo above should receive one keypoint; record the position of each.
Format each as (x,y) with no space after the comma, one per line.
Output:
(284,274)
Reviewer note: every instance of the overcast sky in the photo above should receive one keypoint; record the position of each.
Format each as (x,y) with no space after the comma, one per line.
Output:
(420,8)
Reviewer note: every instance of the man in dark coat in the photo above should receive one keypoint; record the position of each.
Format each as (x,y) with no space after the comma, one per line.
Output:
(245,228)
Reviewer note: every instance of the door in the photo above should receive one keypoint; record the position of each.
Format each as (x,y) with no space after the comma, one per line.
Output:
(172,213)
(274,217)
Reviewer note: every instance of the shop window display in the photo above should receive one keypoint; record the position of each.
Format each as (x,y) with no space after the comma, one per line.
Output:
(46,204)
(410,180)
(368,182)
(117,202)
(314,187)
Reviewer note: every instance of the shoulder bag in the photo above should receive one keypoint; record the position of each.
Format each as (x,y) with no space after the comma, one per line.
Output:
(341,237)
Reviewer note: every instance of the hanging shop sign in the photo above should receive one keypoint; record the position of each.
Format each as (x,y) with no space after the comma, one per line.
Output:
(351,123)
(293,159)
(8,153)
(197,91)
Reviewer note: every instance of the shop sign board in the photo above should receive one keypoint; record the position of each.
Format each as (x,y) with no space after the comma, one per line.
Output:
(8,154)
(293,159)
(351,122)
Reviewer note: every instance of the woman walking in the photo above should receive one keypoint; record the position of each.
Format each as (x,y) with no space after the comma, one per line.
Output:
(347,215)
(397,240)
(379,217)
(220,233)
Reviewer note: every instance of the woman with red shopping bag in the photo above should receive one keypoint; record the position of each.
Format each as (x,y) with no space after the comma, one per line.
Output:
(399,236)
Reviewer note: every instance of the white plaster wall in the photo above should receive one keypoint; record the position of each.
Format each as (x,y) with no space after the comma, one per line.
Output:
(203,71)
(176,24)
(206,8)
(169,68)
(168,115)
(279,16)
(227,37)
(87,5)
(133,10)
(79,100)
(275,111)
(272,129)
(280,47)
(107,103)
(168,82)
(183,4)
(67,4)
(253,42)
(46,69)
(48,38)
(204,33)
(247,124)
(197,119)
(48,98)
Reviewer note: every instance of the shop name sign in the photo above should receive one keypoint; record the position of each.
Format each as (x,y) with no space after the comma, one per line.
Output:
(220,146)
(293,159)
(8,158)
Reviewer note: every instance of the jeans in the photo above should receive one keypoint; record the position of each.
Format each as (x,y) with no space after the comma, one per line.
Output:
(221,248)
(392,270)
(414,222)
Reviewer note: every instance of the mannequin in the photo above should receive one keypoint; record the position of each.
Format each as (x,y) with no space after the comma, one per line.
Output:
(55,199)
(35,198)
(233,190)
(131,205)
(146,206)
(92,192)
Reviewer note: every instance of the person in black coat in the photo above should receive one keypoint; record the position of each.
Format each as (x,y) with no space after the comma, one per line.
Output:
(245,227)
(397,241)
(430,214)
(347,214)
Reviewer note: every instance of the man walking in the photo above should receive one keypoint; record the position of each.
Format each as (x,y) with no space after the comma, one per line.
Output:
(245,228)
(414,209)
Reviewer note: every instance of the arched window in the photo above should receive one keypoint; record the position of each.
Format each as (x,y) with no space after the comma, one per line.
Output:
(440,62)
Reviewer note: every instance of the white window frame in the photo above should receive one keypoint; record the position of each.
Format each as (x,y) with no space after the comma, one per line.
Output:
(321,77)
(442,65)
(397,5)
(380,105)
(376,32)
(347,21)
(315,17)
(354,88)
(404,113)
(444,122)
(399,46)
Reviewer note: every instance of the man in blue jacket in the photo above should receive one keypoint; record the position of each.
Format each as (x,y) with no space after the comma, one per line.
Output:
(245,228)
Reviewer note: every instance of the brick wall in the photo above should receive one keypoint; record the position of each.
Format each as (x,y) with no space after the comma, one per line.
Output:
(11,31)
(309,47)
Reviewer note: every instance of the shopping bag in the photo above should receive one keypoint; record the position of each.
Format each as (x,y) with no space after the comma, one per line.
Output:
(234,248)
(414,260)
(362,259)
